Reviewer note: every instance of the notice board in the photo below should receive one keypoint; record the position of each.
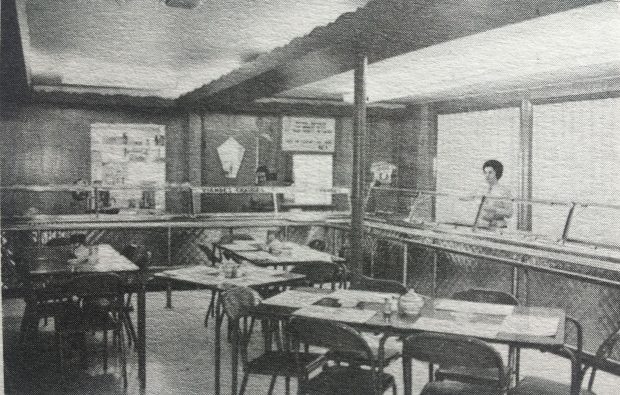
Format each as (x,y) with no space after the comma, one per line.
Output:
(307,134)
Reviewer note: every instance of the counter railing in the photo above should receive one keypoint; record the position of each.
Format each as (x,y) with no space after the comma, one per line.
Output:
(436,259)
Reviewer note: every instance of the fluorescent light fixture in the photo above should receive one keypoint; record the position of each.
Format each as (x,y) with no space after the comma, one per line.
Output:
(189,4)
(579,44)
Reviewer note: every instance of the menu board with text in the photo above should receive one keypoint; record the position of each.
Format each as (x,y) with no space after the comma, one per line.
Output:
(306,134)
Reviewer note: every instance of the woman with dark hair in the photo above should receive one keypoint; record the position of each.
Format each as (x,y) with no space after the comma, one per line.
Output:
(495,211)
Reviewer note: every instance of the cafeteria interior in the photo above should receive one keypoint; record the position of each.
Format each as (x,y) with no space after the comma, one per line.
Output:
(334,197)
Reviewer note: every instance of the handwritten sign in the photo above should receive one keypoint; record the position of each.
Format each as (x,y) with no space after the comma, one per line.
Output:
(304,134)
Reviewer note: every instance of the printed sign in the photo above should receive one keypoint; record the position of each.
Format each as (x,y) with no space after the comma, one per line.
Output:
(308,134)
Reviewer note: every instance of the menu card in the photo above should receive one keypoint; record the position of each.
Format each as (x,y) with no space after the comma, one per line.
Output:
(292,298)
(473,307)
(356,316)
(530,325)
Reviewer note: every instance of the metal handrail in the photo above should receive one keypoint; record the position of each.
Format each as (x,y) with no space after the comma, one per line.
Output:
(514,200)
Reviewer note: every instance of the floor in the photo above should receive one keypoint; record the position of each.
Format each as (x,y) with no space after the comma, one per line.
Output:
(180,358)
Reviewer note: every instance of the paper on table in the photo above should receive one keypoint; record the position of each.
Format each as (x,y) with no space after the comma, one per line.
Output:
(473,307)
(477,329)
(259,256)
(241,246)
(292,298)
(194,270)
(336,314)
(530,325)
(361,296)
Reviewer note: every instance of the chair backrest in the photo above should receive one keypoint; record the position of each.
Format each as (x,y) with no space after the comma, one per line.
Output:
(96,286)
(226,239)
(58,241)
(486,296)
(210,253)
(603,353)
(453,350)
(319,272)
(138,255)
(318,244)
(238,301)
(364,283)
(334,336)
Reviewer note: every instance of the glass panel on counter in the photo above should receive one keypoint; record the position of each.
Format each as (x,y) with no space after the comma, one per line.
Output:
(576,157)
(273,199)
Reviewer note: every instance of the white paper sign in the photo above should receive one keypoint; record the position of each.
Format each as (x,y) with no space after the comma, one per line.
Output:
(308,134)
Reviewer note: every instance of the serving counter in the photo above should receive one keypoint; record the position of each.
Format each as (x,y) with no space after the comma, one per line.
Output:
(435,259)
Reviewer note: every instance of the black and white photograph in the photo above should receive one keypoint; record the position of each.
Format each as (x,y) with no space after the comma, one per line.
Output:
(316,197)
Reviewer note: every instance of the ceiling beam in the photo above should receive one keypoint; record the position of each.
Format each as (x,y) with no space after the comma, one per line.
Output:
(13,73)
(383,29)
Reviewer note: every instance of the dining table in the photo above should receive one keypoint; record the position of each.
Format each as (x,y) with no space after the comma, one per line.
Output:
(532,327)
(278,254)
(48,266)
(218,279)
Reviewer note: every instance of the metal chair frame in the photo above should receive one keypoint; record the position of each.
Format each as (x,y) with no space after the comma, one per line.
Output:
(444,349)
(338,338)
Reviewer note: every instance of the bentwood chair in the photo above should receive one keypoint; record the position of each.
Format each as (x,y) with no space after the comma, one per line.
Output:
(227,239)
(542,386)
(97,305)
(214,258)
(42,299)
(444,349)
(318,244)
(319,273)
(237,303)
(461,373)
(338,338)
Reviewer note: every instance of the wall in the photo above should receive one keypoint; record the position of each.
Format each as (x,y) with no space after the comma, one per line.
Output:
(50,144)
(383,143)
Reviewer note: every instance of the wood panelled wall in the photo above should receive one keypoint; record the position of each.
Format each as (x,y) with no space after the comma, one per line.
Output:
(391,140)
(50,144)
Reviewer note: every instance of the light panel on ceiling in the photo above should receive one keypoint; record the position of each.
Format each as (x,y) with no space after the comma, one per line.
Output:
(578,44)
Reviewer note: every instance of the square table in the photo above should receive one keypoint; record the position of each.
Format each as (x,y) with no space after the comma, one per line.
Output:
(59,262)
(524,327)
(54,261)
(212,278)
(287,253)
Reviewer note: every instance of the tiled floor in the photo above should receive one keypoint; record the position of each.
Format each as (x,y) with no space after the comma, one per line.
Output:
(180,358)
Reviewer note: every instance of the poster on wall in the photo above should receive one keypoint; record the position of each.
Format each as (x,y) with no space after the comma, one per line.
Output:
(306,134)
(130,155)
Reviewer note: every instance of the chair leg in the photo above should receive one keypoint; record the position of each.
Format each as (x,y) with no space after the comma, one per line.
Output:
(244,383)
(272,384)
(122,356)
(211,308)
(105,350)
(83,350)
(287,384)
(129,328)
(61,356)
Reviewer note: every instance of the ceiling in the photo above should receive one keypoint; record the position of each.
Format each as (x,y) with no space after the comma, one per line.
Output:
(233,51)
(581,44)
(148,48)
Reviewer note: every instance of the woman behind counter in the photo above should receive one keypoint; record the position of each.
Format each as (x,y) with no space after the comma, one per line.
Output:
(495,212)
